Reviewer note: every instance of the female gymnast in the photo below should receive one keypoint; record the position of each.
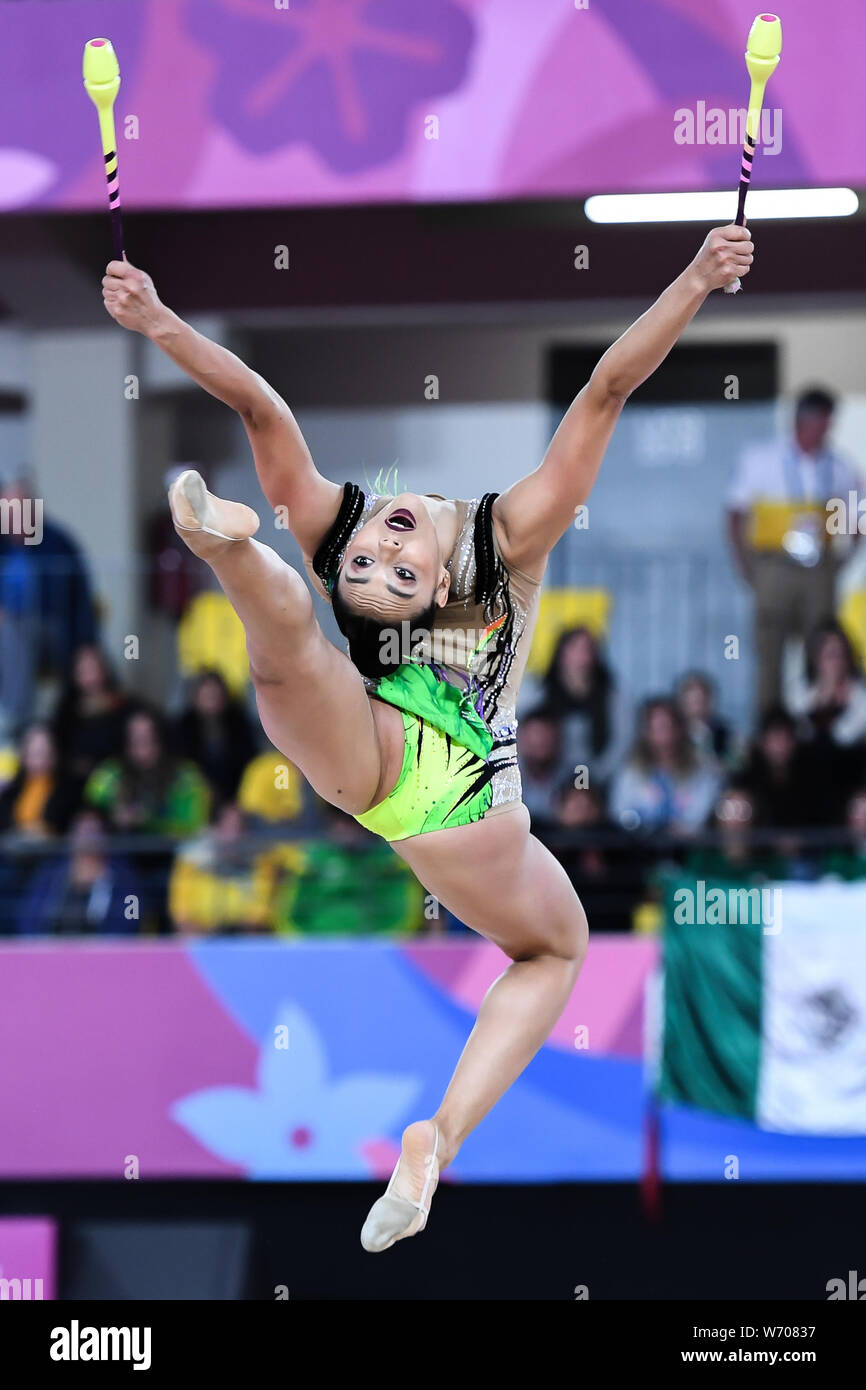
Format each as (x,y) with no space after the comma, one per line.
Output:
(414,731)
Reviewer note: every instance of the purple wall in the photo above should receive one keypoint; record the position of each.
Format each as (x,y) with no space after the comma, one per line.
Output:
(240,103)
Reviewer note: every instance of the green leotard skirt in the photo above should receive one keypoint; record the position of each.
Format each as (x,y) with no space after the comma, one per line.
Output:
(446,776)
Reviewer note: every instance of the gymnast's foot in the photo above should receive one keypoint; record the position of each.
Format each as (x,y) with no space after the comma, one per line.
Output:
(206,522)
(404,1208)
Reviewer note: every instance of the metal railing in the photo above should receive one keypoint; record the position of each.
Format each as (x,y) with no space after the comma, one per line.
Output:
(620,876)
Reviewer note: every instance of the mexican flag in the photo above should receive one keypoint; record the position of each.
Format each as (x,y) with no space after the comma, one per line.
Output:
(763,1004)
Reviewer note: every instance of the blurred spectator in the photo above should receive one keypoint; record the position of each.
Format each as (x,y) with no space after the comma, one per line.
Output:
(40,799)
(849,861)
(350,884)
(736,855)
(607,876)
(35,806)
(221,880)
(696,700)
(780,775)
(777,521)
(580,690)
(539,746)
(666,784)
(147,789)
(90,716)
(216,732)
(84,889)
(831,697)
(46,605)
(8,763)
(271,790)
(831,703)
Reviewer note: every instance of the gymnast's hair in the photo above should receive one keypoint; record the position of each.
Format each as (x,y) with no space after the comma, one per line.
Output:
(372,645)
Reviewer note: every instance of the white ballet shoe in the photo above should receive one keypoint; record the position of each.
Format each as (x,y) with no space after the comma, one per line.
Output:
(191,502)
(395,1217)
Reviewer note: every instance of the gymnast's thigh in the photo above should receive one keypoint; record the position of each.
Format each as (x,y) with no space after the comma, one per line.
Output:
(318,714)
(498,879)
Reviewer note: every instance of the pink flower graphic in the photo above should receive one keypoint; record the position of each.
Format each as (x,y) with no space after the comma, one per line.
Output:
(340,75)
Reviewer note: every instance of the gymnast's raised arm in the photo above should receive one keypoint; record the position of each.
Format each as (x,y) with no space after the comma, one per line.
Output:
(285,468)
(534,512)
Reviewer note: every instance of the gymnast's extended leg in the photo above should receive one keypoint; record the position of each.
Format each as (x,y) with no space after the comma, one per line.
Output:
(312,701)
(524,903)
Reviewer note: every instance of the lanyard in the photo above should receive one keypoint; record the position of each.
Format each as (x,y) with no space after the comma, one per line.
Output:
(794,475)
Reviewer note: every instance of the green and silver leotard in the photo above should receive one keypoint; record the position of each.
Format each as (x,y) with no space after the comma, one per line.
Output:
(458,698)
(447,773)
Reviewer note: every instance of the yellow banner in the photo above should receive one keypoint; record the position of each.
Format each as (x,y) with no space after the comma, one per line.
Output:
(771,521)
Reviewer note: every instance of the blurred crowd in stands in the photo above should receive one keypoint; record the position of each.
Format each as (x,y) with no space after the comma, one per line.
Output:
(118,818)
(617,795)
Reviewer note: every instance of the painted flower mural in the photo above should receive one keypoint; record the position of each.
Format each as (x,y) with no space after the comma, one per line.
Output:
(340,75)
(300,1122)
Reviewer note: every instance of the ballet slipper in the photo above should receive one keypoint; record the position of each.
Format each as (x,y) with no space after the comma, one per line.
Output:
(396,1216)
(195,511)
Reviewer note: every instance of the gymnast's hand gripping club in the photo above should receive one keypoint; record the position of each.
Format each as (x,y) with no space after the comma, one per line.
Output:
(102,83)
(763,50)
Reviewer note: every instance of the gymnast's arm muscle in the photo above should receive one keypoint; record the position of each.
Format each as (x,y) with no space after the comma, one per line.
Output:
(533,513)
(286,472)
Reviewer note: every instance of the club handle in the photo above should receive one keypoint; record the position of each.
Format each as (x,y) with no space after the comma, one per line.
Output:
(740,219)
(117,234)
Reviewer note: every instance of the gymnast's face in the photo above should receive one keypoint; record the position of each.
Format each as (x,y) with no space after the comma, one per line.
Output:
(393,566)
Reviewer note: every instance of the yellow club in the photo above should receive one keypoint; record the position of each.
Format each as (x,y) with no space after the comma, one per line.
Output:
(763,51)
(101,73)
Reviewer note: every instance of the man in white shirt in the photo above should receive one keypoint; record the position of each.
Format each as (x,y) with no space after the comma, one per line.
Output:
(777,523)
